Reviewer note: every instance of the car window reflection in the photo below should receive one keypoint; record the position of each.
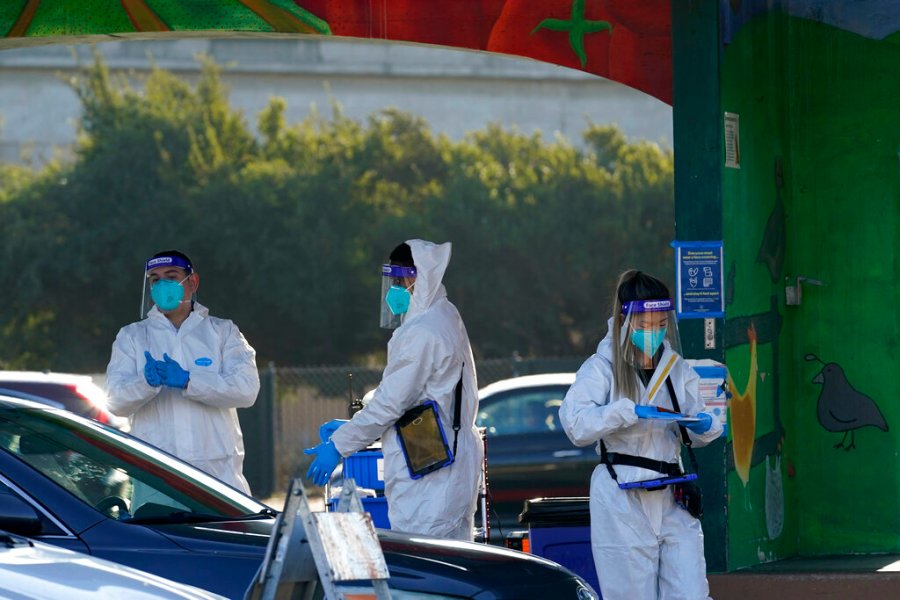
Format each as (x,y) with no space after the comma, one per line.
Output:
(107,470)
(522,412)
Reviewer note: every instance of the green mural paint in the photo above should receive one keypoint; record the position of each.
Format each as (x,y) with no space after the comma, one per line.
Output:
(577,27)
(222,14)
(821,102)
(9,13)
(79,17)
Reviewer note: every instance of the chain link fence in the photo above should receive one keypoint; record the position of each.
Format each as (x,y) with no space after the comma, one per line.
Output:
(294,401)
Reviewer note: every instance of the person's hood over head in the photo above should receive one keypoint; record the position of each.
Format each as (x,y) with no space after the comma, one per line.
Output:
(431,262)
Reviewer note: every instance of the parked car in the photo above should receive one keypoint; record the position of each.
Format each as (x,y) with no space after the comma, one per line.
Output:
(32,570)
(81,485)
(528,453)
(77,393)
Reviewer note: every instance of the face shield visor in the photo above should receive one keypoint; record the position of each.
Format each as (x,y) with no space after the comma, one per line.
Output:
(167,293)
(648,326)
(396,294)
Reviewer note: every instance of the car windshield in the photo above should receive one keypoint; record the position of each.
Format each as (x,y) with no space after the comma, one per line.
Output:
(117,474)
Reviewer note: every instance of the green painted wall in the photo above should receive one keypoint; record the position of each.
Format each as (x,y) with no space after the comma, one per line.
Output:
(825,104)
(698,204)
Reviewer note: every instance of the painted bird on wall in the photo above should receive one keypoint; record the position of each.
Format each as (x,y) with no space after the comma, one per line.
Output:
(841,407)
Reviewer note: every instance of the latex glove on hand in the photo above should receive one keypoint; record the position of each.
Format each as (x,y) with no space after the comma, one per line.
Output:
(326,461)
(171,373)
(151,374)
(701,426)
(327,429)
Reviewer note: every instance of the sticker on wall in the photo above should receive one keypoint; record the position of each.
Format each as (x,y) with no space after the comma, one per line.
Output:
(732,140)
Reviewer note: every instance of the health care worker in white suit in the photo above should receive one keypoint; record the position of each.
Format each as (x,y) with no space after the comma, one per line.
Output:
(426,357)
(179,374)
(645,543)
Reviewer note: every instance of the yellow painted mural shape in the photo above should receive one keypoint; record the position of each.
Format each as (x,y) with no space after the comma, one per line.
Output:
(743,415)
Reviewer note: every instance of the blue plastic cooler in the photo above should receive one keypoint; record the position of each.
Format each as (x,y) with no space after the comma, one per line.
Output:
(364,467)
(560,529)
(377,507)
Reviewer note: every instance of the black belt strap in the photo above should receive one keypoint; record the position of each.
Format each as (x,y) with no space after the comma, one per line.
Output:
(617,458)
(457,409)
(671,469)
(684,436)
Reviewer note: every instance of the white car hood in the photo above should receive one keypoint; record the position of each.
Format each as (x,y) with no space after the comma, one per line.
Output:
(33,570)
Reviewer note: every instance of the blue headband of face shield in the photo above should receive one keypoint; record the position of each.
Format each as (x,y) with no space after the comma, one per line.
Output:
(396,271)
(639,306)
(169,261)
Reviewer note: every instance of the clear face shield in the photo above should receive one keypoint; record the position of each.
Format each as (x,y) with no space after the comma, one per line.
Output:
(165,287)
(648,327)
(396,294)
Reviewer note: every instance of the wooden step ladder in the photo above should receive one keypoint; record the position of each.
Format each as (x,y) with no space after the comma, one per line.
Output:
(338,550)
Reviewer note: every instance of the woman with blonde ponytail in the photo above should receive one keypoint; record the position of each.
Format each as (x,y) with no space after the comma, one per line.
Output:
(637,399)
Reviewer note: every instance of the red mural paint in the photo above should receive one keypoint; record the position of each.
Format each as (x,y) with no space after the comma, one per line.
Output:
(452,23)
(651,18)
(642,62)
(623,40)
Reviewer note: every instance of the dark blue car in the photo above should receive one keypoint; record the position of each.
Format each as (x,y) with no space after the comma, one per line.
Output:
(78,484)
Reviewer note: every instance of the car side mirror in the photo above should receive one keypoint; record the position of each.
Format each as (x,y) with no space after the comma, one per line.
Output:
(17,516)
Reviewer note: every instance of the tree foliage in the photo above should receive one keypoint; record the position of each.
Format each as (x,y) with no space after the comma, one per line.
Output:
(288,228)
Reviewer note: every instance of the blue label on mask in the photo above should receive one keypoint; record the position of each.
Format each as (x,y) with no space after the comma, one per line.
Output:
(203,362)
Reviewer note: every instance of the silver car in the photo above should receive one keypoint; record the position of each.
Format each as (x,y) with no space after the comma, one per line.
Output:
(30,569)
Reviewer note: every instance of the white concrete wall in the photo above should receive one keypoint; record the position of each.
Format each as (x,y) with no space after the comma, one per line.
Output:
(456,91)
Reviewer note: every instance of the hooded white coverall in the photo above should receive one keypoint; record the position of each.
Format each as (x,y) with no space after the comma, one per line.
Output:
(645,545)
(198,424)
(425,358)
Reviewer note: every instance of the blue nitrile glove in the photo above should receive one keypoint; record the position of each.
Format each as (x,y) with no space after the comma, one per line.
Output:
(327,429)
(150,372)
(327,459)
(171,372)
(644,412)
(701,426)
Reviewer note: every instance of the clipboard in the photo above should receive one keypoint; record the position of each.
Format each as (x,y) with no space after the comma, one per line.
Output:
(662,415)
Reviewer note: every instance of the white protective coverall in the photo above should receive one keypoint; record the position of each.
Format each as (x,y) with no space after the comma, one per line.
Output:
(425,357)
(198,424)
(645,545)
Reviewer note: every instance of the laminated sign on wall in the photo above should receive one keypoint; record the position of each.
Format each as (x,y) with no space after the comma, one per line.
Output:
(699,280)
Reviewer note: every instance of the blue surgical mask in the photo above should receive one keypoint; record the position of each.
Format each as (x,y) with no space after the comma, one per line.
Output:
(640,337)
(167,294)
(397,299)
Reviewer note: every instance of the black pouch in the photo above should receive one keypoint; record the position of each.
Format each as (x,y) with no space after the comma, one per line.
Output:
(687,493)
(689,497)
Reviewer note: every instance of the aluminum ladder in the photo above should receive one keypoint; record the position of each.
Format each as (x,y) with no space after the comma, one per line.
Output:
(338,550)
